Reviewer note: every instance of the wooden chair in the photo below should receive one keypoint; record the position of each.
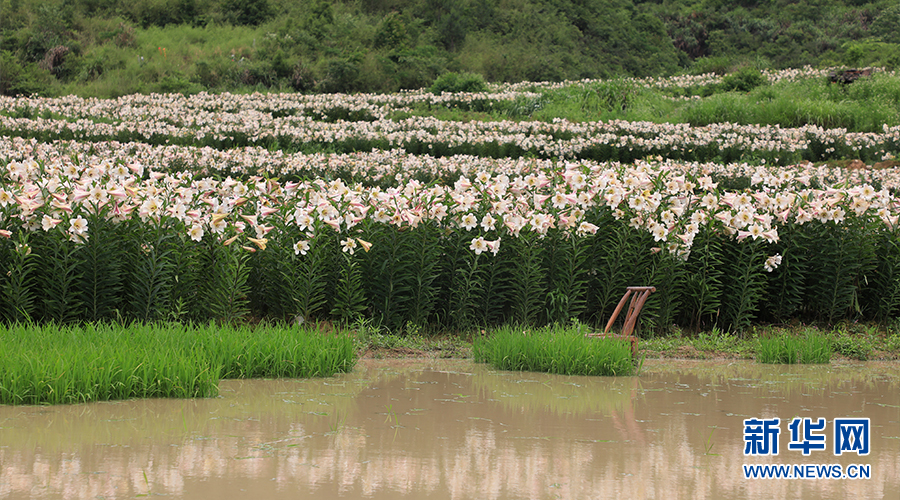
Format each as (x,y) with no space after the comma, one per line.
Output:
(641,293)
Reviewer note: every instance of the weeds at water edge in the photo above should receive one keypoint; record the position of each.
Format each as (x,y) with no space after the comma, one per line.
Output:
(810,348)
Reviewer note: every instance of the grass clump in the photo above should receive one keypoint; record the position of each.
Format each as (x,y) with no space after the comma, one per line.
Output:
(554,349)
(856,346)
(50,364)
(810,348)
(454,82)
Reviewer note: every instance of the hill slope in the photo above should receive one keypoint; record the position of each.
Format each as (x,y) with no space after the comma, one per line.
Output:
(106,48)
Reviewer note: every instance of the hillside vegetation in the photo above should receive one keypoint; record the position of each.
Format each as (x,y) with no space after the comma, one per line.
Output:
(106,49)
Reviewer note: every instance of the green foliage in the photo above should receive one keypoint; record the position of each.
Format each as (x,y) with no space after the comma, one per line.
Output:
(869,53)
(163,12)
(743,80)
(567,257)
(744,283)
(561,350)
(391,33)
(786,283)
(225,292)
(20,78)
(51,28)
(844,260)
(101,282)
(614,252)
(453,82)
(385,46)
(704,279)
(16,290)
(812,347)
(55,364)
(339,75)
(304,277)
(865,106)
(666,272)
(60,275)
(784,35)
(412,68)
(247,12)
(425,271)
(176,84)
(467,284)
(883,298)
(186,290)
(150,277)
(852,346)
(427,276)
(528,290)
(349,296)
(887,24)
(277,351)
(390,266)
(609,96)
(715,340)
(719,65)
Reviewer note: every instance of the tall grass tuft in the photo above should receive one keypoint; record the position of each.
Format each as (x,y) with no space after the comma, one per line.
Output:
(811,348)
(52,364)
(555,349)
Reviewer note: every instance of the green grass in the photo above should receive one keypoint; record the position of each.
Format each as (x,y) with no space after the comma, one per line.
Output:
(50,364)
(864,106)
(553,349)
(810,348)
(856,345)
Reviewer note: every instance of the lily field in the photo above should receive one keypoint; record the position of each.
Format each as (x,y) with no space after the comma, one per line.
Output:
(346,208)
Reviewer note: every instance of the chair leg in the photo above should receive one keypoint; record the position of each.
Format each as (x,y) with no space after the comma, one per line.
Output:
(642,293)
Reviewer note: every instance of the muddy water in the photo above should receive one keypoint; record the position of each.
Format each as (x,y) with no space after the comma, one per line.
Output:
(458,430)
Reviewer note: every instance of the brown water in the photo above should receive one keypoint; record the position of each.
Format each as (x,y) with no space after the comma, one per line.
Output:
(458,430)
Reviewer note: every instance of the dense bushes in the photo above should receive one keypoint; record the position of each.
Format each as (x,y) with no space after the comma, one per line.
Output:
(20,78)
(388,46)
(452,82)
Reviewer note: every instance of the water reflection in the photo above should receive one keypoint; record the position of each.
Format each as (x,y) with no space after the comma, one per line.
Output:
(457,430)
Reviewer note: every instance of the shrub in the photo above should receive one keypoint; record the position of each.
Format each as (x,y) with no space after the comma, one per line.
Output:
(302,78)
(340,76)
(887,25)
(21,79)
(247,12)
(177,84)
(718,65)
(855,347)
(743,80)
(391,33)
(453,82)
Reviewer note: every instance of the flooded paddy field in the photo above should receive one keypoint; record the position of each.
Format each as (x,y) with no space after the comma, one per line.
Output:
(453,429)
